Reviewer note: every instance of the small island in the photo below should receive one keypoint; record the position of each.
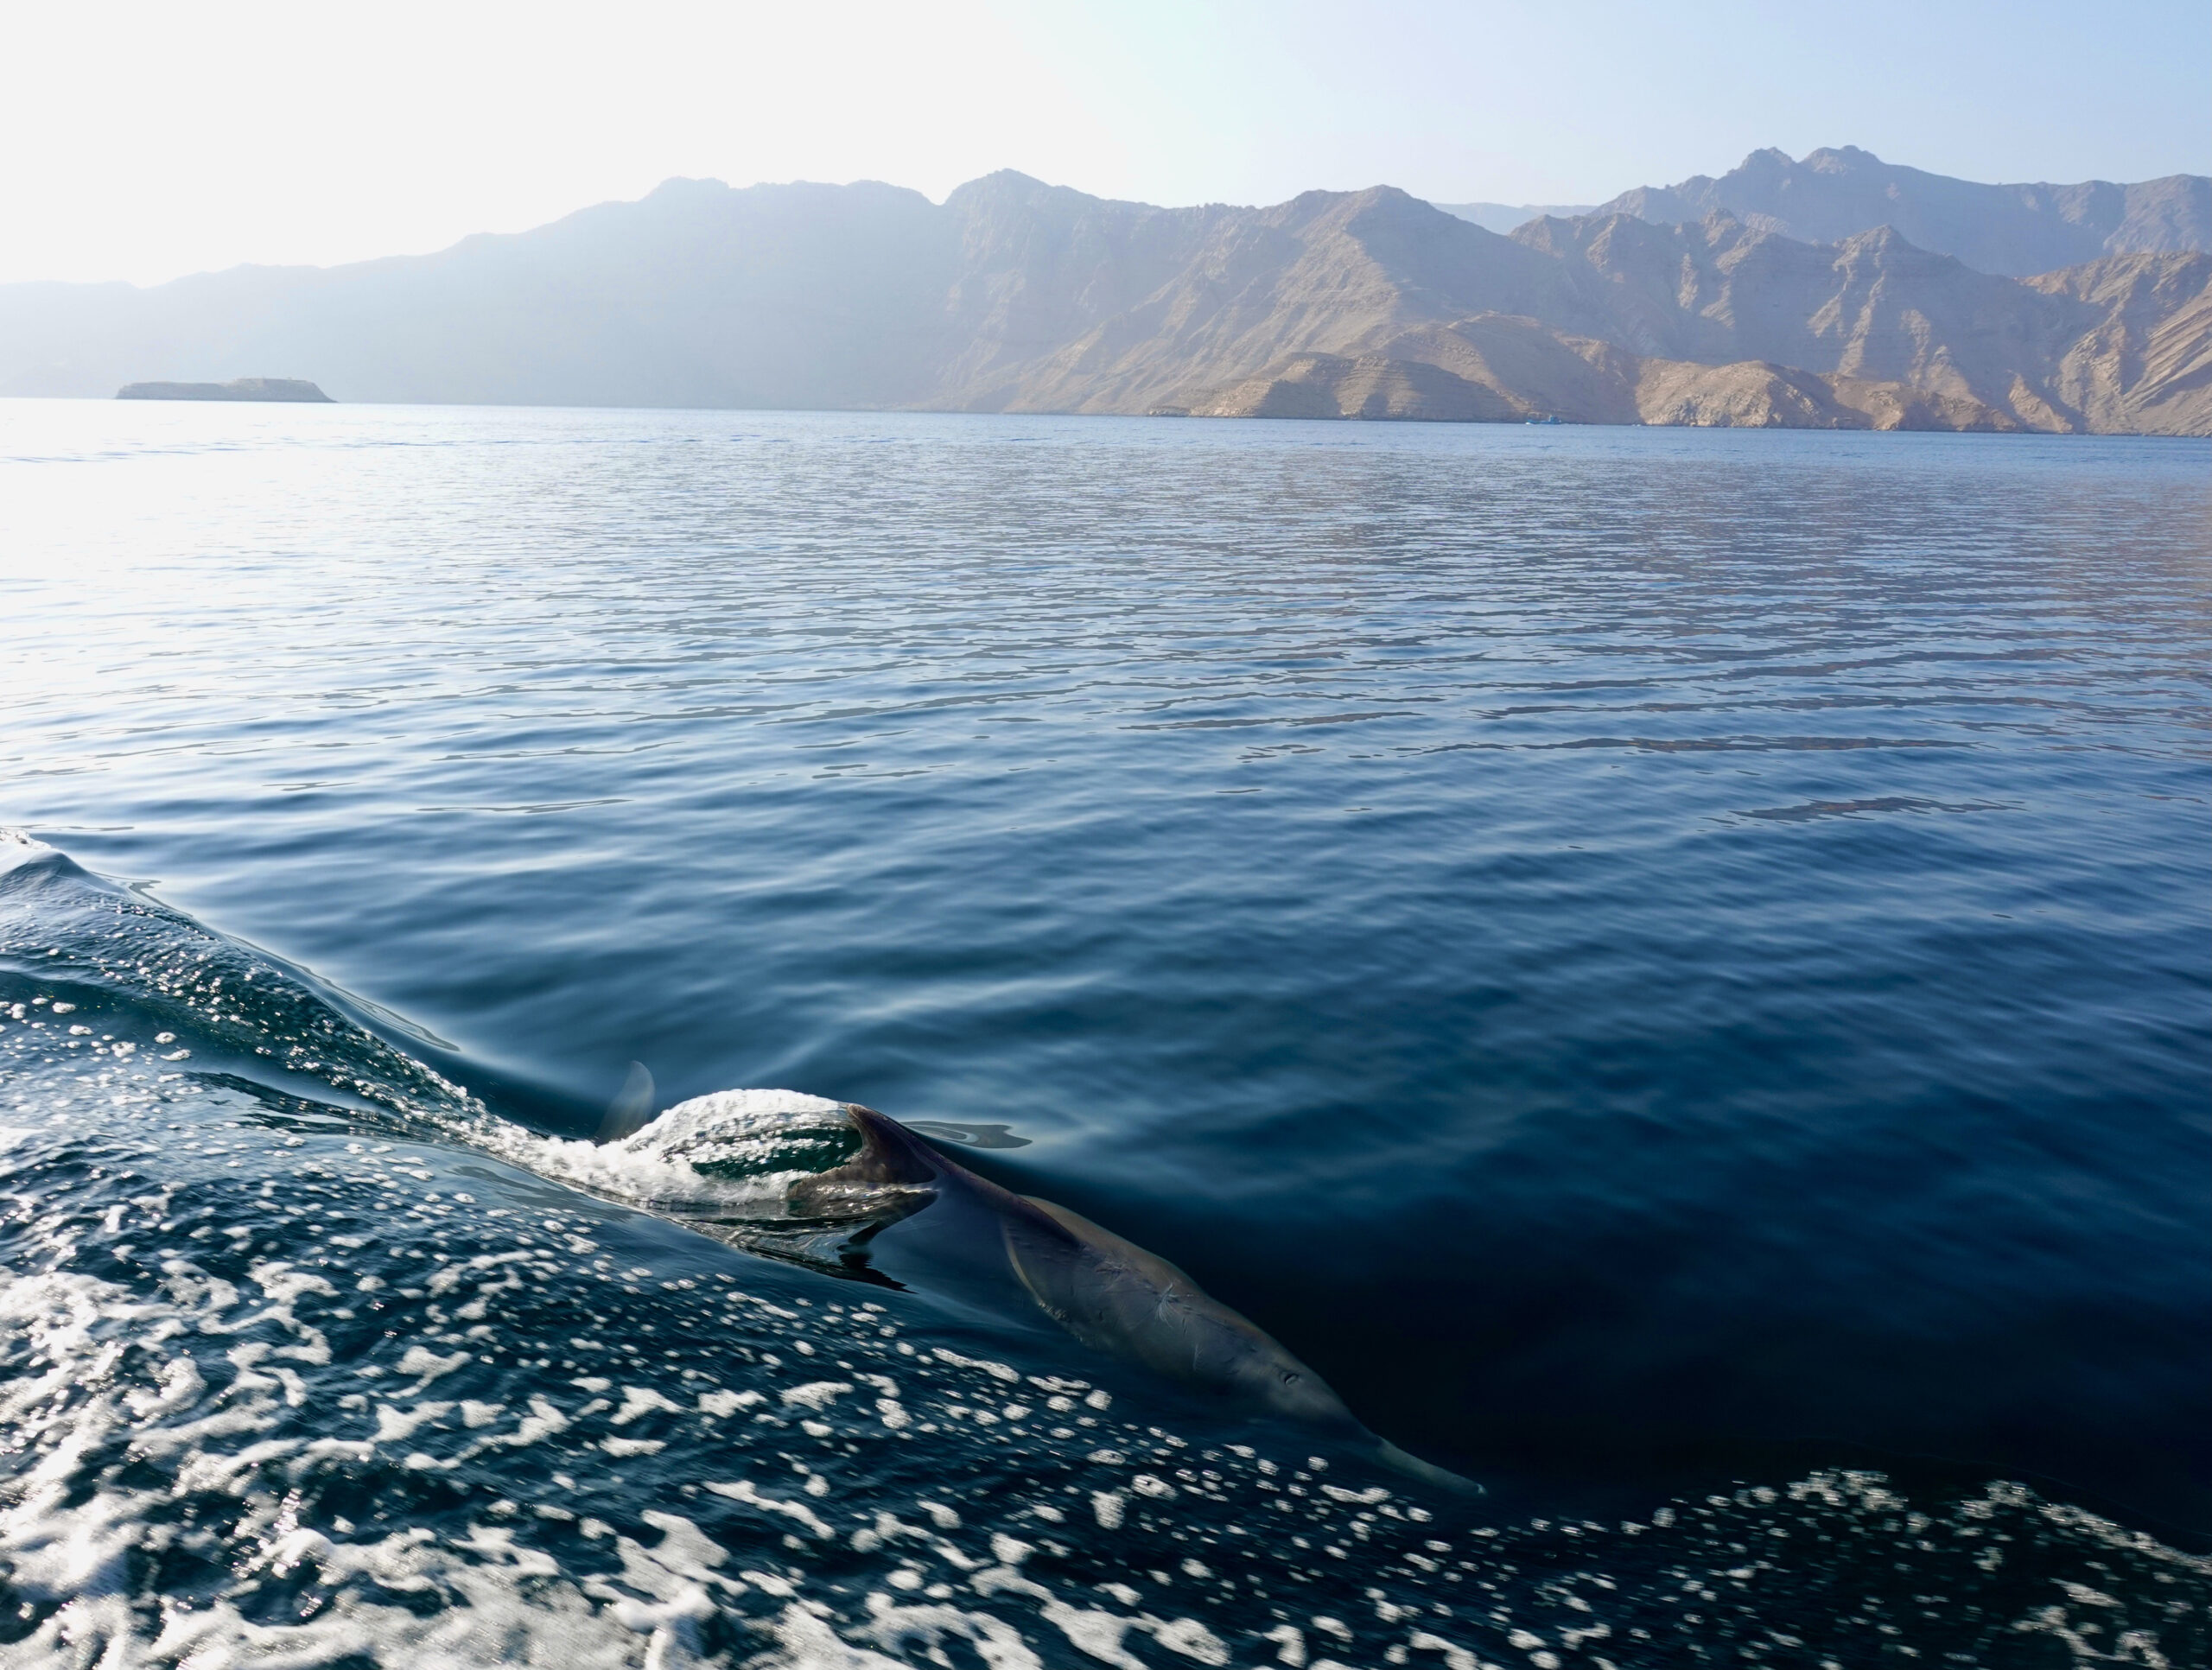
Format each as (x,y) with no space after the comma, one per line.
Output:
(244,387)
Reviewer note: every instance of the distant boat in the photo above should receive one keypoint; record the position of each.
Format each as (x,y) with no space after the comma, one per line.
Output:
(1540,420)
(245,388)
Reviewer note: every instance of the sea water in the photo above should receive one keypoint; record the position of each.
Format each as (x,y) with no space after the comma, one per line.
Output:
(1671,968)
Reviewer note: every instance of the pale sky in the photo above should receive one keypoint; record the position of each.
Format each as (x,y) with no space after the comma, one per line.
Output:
(144,141)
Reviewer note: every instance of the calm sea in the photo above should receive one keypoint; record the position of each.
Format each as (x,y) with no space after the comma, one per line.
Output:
(1673,969)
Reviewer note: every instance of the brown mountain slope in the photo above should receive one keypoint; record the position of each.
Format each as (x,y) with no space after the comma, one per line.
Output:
(1491,368)
(1348,276)
(2053,353)
(1326,272)
(1041,265)
(2146,366)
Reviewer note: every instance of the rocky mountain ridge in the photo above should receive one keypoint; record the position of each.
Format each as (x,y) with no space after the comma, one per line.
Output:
(1016,296)
(2014,230)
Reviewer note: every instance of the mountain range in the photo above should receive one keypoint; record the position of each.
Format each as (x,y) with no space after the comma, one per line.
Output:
(1752,299)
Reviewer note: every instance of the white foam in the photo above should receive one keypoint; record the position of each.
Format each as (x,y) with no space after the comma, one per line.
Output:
(742,1490)
(658,1165)
(394,1428)
(642,1400)
(728,1403)
(420,1360)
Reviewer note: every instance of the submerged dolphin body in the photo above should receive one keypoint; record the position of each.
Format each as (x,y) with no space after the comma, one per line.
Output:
(1113,1295)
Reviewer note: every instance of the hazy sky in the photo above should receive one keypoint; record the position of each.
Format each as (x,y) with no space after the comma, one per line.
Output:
(142,141)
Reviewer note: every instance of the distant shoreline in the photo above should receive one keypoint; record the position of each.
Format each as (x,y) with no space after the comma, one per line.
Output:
(292,390)
(949,412)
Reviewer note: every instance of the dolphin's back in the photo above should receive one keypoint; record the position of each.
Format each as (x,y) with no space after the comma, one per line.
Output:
(1110,1293)
(1105,1245)
(1116,1296)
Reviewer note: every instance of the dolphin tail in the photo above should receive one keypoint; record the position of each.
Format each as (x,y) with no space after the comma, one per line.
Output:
(1398,1461)
(631,1110)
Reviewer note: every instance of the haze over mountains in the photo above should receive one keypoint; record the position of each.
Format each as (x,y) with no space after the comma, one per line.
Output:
(1784,293)
(1510,217)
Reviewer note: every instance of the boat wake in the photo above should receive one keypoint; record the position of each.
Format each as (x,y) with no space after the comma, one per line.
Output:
(310,1355)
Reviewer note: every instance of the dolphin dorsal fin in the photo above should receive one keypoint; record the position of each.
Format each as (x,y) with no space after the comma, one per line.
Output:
(889,1152)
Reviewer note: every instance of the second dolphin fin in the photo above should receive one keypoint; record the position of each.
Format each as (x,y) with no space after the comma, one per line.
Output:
(631,1110)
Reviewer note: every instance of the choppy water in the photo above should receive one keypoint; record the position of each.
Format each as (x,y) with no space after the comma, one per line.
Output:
(1672,968)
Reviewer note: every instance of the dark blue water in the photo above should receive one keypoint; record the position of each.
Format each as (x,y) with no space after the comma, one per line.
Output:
(1667,966)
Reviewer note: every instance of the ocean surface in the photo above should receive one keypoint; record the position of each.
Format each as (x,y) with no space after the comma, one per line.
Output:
(1673,969)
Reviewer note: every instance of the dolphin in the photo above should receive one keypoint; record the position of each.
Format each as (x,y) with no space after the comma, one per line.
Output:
(1112,1295)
